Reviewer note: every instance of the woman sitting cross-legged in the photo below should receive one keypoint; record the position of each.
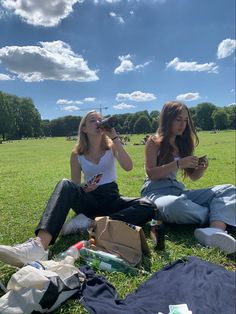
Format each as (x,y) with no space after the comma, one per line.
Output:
(172,149)
(95,153)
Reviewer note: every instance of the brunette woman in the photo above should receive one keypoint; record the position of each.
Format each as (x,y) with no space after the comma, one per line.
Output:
(172,149)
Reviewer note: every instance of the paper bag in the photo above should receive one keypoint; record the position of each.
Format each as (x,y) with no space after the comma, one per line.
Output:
(122,239)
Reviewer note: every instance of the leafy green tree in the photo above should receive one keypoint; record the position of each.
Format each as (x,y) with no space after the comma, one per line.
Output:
(71,124)
(155,125)
(193,115)
(204,116)
(231,111)
(127,127)
(154,116)
(220,119)
(58,127)
(119,129)
(142,125)
(6,116)
(27,118)
(135,117)
(46,127)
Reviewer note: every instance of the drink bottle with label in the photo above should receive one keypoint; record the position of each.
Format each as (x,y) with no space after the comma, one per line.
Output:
(73,251)
(157,232)
(106,261)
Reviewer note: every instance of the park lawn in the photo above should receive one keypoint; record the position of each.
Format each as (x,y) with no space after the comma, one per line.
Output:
(29,170)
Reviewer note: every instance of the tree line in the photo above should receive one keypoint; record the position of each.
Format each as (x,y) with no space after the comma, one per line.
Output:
(19,119)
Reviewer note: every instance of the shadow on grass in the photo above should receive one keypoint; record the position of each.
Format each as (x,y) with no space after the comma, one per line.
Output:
(178,234)
(181,234)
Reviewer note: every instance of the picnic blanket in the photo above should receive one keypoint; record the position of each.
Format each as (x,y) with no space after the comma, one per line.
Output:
(206,288)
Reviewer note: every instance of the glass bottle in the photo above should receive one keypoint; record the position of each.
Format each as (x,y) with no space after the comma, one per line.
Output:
(157,232)
(106,261)
(73,251)
(108,123)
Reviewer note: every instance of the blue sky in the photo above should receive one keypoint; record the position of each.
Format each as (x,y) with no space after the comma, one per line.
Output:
(71,56)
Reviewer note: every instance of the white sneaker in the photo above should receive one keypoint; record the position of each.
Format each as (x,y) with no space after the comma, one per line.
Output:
(21,254)
(76,224)
(215,237)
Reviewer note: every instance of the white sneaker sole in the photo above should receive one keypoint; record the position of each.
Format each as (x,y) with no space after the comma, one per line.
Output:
(220,240)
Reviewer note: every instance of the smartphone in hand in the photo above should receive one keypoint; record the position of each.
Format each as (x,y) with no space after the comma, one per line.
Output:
(95,179)
(202,159)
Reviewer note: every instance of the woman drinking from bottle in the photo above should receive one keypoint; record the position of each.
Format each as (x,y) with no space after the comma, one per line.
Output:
(94,156)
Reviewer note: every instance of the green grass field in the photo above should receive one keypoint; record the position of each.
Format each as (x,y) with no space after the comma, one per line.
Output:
(29,170)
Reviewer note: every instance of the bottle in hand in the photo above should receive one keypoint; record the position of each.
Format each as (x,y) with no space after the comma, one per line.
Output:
(108,123)
(157,232)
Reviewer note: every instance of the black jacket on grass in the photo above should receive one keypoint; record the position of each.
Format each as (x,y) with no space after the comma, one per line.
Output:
(206,288)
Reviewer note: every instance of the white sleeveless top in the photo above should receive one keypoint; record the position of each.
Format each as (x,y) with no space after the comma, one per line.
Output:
(106,166)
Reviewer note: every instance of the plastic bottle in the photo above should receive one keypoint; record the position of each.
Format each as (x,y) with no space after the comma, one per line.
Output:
(157,232)
(108,123)
(73,251)
(106,261)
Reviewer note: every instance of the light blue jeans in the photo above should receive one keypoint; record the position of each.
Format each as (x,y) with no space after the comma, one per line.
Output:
(202,206)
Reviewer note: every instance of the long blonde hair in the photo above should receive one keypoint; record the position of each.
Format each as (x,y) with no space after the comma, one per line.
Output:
(82,145)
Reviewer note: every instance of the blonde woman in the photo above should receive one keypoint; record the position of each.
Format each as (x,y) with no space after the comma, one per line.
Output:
(95,156)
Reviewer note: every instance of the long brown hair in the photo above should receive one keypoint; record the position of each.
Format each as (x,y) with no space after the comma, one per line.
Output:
(185,142)
(82,145)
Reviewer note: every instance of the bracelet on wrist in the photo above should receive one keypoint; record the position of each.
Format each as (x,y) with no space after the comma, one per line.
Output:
(114,138)
(177,164)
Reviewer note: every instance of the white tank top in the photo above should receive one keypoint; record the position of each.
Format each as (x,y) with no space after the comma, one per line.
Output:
(106,166)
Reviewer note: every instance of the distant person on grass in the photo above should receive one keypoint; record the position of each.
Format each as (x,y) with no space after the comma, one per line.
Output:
(172,149)
(95,153)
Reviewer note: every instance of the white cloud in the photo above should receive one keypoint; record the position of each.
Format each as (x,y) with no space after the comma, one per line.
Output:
(127,65)
(52,61)
(232,90)
(122,106)
(106,1)
(188,97)
(68,102)
(41,13)
(5,77)
(138,1)
(192,66)
(226,48)
(89,99)
(70,108)
(136,96)
(2,13)
(232,104)
(117,17)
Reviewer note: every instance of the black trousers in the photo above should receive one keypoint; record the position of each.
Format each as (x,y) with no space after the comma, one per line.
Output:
(104,201)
